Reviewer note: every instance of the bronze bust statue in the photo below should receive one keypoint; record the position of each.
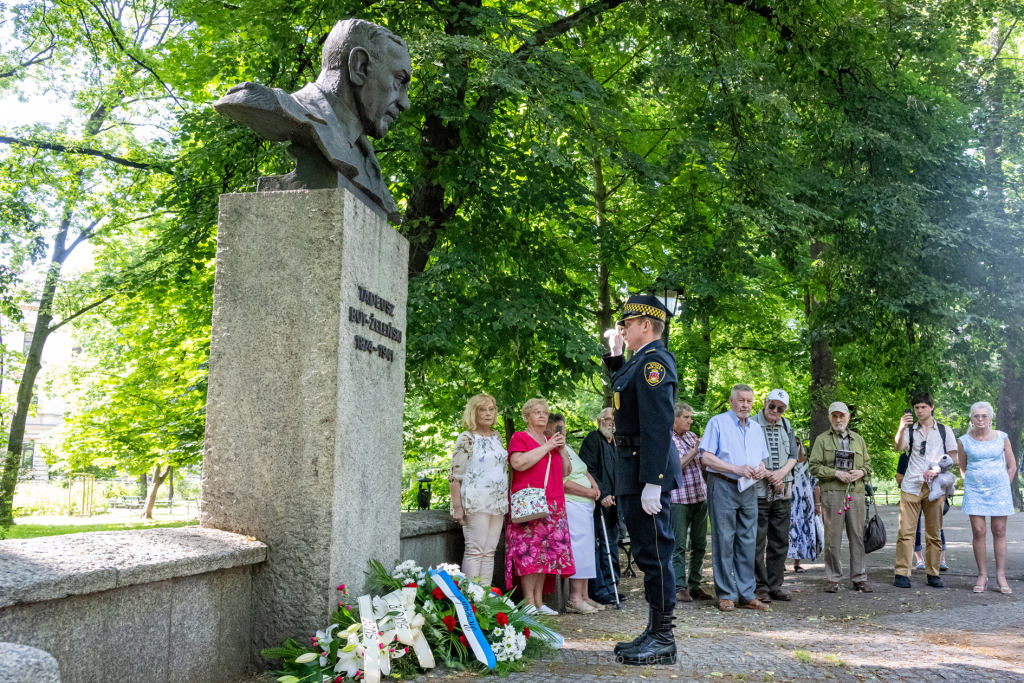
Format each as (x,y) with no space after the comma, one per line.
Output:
(362,88)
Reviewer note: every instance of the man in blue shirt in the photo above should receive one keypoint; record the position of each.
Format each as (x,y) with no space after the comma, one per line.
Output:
(733,448)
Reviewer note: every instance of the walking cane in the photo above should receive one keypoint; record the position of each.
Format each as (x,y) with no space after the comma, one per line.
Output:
(611,567)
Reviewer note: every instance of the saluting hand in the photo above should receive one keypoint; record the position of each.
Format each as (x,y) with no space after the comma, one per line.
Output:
(615,341)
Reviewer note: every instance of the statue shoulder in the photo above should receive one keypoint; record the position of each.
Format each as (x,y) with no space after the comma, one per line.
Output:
(272,113)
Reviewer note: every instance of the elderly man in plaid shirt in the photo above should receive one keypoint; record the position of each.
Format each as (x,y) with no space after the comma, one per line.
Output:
(689,510)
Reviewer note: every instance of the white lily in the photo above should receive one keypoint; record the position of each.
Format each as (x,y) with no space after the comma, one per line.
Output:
(305,658)
(350,657)
(323,641)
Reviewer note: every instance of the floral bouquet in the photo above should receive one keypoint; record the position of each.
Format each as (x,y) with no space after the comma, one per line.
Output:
(407,622)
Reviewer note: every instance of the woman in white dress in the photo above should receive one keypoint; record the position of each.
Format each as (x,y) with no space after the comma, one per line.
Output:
(479,486)
(987,463)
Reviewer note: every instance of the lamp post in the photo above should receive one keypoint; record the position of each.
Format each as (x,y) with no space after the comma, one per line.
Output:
(423,493)
(671,299)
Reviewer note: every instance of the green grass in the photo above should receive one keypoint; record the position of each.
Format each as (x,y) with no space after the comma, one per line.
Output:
(38,530)
(802,656)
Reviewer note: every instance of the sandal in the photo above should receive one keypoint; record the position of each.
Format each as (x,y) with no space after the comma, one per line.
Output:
(981,588)
(1005,590)
(920,565)
(798,569)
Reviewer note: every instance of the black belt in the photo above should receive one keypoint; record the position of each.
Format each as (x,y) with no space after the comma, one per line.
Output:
(627,441)
(723,477)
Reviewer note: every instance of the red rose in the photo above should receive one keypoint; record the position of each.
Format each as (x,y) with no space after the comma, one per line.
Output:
(449,622)
(411,585)
(496,591)
(526,633)
(438,594)
(462,639)
(501,618)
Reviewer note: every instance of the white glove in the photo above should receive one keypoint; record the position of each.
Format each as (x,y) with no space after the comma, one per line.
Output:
(650,499)
(614,338)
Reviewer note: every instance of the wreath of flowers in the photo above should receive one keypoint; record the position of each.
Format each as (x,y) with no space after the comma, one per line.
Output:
(336,653)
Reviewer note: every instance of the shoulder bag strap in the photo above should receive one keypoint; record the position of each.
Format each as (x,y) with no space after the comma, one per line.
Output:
(548,473)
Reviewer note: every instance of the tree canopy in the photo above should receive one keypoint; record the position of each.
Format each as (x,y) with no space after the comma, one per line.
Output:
(833,188)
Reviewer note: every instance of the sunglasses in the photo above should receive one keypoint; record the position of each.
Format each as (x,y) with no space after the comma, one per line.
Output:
(923,444)
(777,407)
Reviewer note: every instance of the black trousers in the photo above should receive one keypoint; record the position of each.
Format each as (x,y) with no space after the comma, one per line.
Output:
(772,543)
(652,541)
(602,588)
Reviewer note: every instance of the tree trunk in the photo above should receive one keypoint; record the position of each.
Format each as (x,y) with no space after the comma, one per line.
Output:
(158,479)
(143,484)
(1010,404)
(703,360)
(823,367)
(604,300)
(33,362)
(510,429)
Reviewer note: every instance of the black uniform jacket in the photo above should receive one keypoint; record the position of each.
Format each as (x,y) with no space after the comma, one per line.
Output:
(645,390)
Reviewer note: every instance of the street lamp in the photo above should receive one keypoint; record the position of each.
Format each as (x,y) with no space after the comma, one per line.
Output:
(423,493)
(672,301)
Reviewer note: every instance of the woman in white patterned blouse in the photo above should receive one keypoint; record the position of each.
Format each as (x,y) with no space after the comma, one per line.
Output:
(479,485)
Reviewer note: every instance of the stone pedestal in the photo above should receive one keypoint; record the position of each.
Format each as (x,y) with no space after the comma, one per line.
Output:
(304,411)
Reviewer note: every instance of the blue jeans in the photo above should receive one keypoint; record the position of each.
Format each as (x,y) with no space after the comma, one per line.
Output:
(733,538)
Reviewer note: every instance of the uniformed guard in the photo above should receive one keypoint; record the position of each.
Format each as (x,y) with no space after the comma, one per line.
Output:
(648,467)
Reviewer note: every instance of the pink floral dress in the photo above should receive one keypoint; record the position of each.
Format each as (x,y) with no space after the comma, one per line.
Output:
(541,546)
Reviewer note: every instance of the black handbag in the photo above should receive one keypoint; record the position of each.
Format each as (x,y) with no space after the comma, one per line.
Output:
(874,530)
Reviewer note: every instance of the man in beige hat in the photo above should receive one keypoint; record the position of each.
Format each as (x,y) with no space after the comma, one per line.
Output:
(839,460)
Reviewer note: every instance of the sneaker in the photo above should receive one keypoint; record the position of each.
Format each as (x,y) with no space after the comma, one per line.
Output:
(935,582)
(548,612)
(901,581)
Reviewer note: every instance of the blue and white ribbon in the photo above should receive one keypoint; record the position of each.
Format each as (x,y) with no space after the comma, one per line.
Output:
(470,628)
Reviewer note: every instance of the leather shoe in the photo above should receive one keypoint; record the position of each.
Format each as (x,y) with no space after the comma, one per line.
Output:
(763,596)
(832,587)
(699,594)
(754,604)
(725,605)
(683,595)
(779,595)
(862,586)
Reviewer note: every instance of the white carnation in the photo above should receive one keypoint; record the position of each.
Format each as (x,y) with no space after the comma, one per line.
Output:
(508,645)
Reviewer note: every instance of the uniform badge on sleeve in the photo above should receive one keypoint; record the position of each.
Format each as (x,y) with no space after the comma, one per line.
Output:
(654,373)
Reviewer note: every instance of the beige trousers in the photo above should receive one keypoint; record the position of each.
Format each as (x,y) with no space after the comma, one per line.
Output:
(482,531)
(853,521)
(910,509)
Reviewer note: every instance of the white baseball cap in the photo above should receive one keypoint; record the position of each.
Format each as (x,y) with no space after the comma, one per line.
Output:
(778,395)
(838,407)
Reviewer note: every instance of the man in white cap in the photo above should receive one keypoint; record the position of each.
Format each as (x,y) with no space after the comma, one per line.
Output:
(773,497)
(839,460)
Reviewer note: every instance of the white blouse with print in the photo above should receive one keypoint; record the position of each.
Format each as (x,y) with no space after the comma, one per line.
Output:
(481,464)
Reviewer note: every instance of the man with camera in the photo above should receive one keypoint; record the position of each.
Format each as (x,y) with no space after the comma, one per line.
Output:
(924,443)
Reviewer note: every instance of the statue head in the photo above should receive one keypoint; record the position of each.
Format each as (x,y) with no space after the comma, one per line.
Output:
(369,68)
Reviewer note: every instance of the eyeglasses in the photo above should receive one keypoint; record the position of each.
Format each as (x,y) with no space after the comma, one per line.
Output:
(777,407)
(983,416)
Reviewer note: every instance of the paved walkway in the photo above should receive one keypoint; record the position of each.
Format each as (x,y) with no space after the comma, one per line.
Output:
(889,636)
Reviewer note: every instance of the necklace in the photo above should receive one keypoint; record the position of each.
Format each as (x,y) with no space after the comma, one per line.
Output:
(539,439)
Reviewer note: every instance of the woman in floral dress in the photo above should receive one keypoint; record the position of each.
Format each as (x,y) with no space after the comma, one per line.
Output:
(539,550)
(479,486)
(803,530)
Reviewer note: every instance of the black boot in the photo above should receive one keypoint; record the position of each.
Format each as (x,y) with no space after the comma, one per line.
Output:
(658,648)
(619,647)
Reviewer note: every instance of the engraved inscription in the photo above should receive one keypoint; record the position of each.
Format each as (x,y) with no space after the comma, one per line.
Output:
(363,344)
(379,326)
(381,304)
